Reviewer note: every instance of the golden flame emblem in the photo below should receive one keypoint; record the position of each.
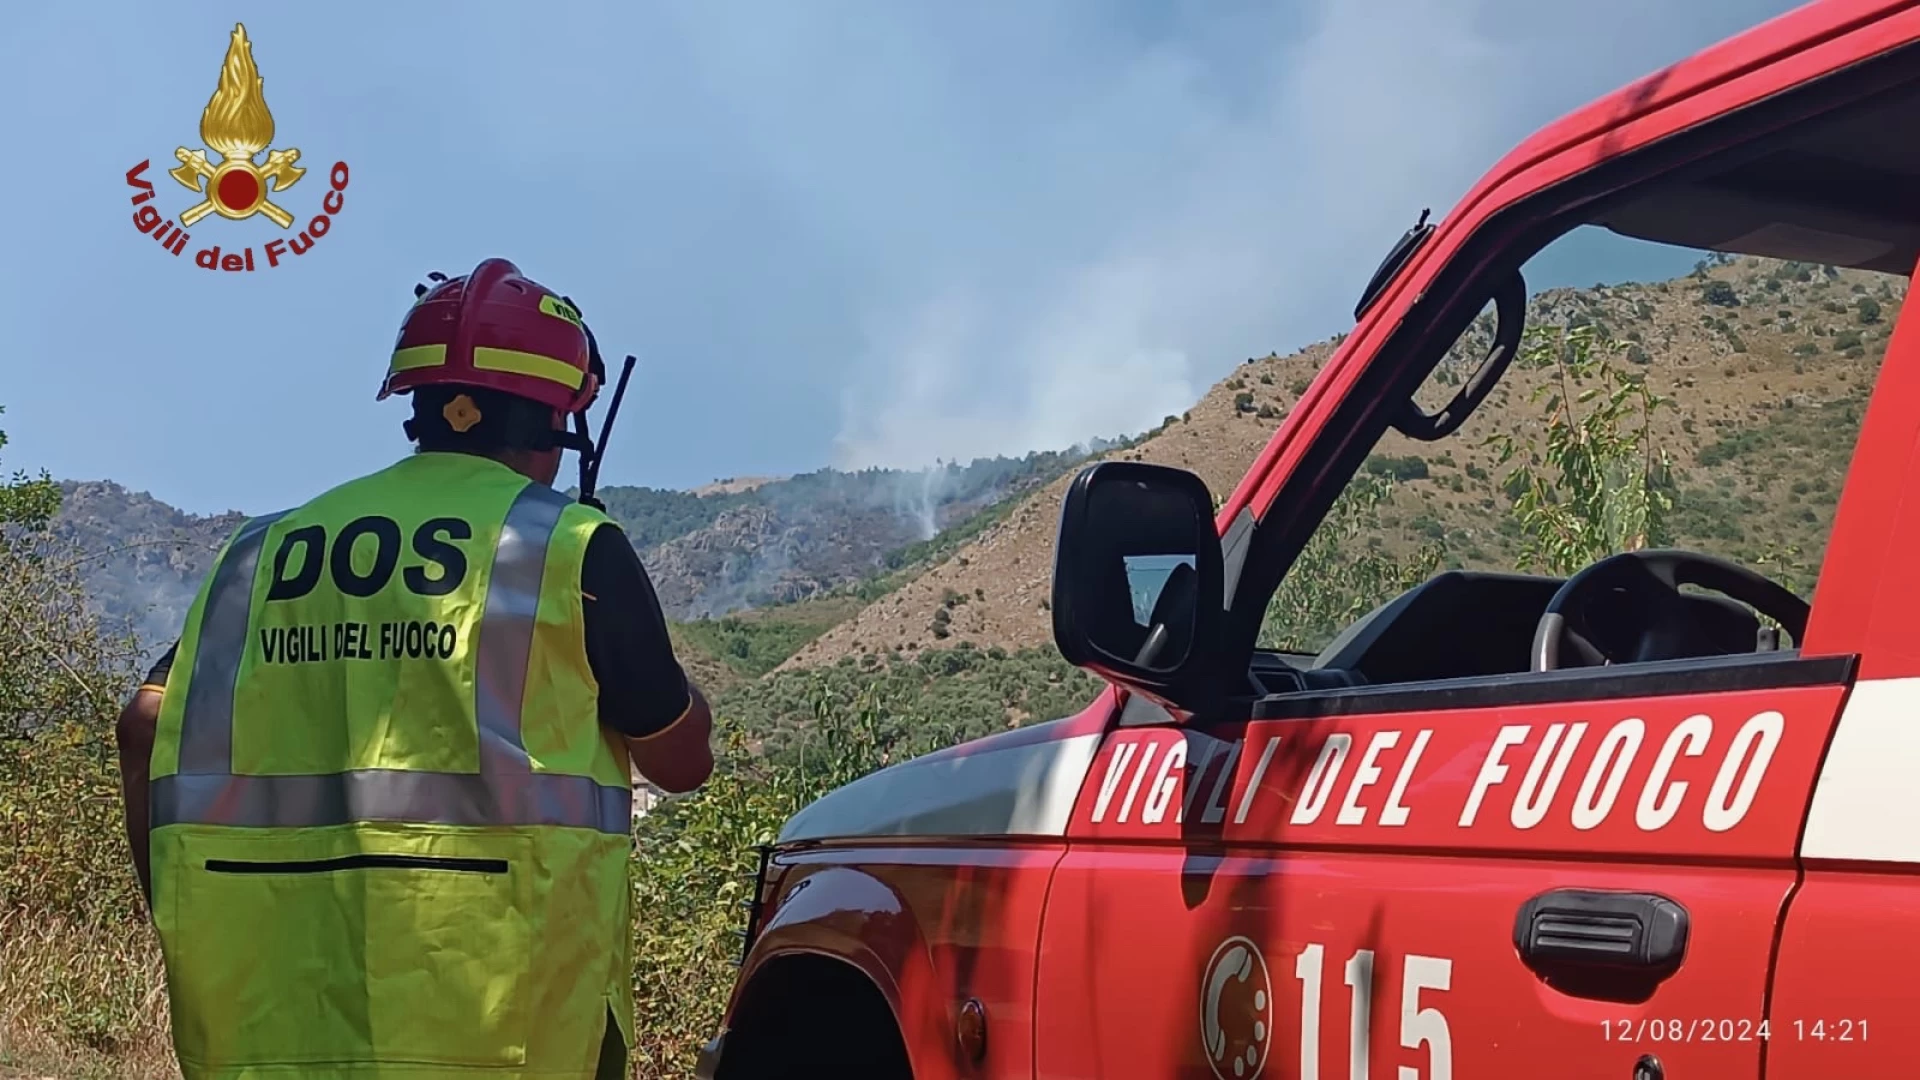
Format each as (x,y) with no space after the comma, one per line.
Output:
(238,125)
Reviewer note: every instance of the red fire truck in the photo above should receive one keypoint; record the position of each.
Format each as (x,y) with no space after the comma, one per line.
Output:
(1506,824)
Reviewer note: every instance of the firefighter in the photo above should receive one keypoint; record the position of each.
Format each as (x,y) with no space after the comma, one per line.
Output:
(379,793)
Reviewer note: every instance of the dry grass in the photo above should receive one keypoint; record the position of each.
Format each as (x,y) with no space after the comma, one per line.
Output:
(82,1000)
(89,1002)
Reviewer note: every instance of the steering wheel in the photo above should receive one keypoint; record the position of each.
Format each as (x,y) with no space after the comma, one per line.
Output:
(1653,578)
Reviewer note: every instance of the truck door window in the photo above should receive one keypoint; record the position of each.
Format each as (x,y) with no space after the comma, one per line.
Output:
(1714,411)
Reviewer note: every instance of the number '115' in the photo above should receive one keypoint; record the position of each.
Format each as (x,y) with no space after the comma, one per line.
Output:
(1418,1026)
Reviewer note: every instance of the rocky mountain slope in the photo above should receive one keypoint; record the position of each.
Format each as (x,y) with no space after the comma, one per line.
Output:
(145,559)
(787,540)
(736,544)
(1765,363)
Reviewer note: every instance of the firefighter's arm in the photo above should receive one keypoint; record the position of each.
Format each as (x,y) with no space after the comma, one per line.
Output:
(134,736)
(679,757)
(645,695)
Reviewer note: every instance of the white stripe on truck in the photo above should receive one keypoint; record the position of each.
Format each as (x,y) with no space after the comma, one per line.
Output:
(1866,804)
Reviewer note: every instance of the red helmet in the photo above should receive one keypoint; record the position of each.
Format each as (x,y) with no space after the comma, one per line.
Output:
(498,329)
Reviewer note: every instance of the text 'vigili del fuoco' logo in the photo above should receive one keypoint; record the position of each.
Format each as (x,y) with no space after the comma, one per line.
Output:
(236,125)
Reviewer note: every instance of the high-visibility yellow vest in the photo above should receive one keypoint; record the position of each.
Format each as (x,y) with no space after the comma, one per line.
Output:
(389,835)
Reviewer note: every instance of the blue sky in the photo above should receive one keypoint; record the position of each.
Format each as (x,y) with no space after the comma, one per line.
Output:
(835,233)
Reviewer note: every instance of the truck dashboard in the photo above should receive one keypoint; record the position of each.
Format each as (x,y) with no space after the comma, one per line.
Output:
(1471,623)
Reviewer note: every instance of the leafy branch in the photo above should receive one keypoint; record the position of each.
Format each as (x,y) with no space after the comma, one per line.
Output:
(1595,482)
(1344,571)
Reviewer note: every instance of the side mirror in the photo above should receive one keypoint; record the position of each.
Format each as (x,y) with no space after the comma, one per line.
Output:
(1137,579)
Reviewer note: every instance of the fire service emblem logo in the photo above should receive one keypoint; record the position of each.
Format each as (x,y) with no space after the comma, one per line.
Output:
(237,125)
(1236,1010)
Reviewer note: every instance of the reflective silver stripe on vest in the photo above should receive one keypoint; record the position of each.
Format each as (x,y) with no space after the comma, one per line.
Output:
(206,723)
(506,791)
(428,798)
(506,634)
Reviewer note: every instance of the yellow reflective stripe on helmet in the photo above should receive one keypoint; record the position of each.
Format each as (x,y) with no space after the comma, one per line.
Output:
(417,356)
(506,790)
(529,364)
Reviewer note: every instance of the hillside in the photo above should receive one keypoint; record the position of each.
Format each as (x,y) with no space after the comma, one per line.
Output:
(1766,364)
(793,539)
(733,545)
(146,558)
(995,588)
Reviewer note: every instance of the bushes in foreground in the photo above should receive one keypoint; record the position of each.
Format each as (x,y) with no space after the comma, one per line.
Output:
(78,968)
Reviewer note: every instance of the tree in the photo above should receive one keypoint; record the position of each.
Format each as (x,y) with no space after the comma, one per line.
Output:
(45,633)
(65,864)
(26,502)
(1607,485)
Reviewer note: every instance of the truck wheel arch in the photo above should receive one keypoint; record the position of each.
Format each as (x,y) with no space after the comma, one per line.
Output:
(805,1013)
(824,973)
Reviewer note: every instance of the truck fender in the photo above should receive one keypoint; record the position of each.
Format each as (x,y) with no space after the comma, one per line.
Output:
(849,916)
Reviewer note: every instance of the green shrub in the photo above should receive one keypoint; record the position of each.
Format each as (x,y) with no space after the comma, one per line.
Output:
(750,645)
(1400,469)
(1718,293)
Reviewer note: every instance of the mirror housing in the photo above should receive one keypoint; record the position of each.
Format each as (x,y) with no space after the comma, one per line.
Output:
(1403,249)
(1138,594)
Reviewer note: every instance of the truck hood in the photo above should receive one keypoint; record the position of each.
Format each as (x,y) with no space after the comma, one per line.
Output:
(1016,783)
